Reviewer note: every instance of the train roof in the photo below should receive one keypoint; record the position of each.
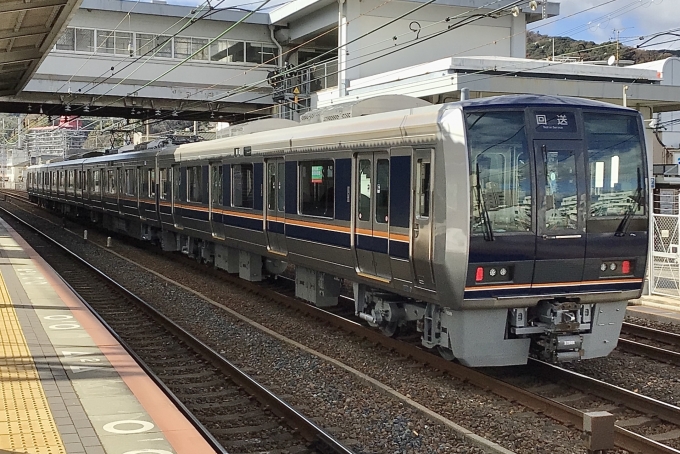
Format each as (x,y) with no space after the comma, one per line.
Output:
(539,101)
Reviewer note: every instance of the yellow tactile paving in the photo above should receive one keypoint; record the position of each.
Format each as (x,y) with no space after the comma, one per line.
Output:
(26,424)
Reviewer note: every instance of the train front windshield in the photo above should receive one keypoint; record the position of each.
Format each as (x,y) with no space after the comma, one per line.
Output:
(550,188)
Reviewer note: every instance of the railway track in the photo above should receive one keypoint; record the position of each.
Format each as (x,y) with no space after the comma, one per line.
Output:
(233,411)
(636,338)
(638,409)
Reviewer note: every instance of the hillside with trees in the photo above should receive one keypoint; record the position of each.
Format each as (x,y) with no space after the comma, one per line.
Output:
(540,47)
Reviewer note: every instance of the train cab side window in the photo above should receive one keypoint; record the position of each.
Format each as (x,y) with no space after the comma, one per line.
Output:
(500,172)
(216,180)
(242,185)
(317,186)
(423,188)
(194,175)
(382,190)
(164,183)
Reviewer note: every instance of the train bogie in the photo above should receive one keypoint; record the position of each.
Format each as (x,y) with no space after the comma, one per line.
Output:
(495,227)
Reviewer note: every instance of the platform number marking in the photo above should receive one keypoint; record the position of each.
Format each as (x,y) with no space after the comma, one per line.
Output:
(30,276)
(144,426)
(61,326)
(78,369)
(150,451)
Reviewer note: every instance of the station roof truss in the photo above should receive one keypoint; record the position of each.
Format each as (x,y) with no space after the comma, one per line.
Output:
(28,30)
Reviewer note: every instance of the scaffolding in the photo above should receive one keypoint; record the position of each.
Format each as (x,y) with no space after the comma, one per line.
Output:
(54,140)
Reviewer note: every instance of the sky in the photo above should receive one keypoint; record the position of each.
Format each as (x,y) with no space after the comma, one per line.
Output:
(590,20)
(631,18)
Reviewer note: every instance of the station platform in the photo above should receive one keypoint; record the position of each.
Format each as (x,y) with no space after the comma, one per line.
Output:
(66,385)
(664,309)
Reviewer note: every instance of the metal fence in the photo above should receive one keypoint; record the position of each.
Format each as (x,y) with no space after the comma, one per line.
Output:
(664,266)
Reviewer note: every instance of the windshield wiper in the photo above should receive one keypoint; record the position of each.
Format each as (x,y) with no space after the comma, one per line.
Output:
(622,229)
(488,231)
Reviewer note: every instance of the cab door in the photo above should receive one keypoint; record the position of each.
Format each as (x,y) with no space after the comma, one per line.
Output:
(561,226)
(275,203)
(371,218)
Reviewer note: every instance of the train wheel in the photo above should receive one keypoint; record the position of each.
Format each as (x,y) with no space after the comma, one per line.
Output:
(390,329)
(446,353)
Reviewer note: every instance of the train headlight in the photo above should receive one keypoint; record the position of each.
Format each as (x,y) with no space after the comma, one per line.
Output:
(492,272)
(503,271)
(603,267)
(612,266)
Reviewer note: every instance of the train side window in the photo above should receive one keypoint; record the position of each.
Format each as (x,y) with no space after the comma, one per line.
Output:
(130,182)
(216,184)
(164,183)
(364,205)
(271,197)
(281,202)
(176,182)
(242,185)
(194,177)
(96,181)
(382,190)
(152,183)
(423,196)
(317,183)
(111,181)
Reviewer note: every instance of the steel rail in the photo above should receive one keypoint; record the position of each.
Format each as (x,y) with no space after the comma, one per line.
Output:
(651,334)
(310,430)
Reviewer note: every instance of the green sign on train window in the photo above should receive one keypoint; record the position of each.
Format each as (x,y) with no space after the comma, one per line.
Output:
(317,174)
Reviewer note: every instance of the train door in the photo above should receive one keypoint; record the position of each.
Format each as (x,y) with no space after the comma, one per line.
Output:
(216,200)
(561,228)
(274,218)
(421,252)
(371,217)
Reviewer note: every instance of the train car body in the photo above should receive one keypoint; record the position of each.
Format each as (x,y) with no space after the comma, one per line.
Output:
(495,227)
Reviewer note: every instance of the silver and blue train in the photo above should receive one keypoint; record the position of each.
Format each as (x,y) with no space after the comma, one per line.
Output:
(499,227)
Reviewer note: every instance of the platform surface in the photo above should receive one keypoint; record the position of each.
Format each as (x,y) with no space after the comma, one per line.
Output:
(66,385)
(658,308)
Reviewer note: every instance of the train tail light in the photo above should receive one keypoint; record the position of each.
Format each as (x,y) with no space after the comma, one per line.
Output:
(625,267)
(479,275)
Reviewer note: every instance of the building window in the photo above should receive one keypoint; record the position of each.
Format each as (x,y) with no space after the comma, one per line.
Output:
(154,45)
(67,41)
(236,52)
(317,188)
(84,40)
(242,185)
(105,42)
